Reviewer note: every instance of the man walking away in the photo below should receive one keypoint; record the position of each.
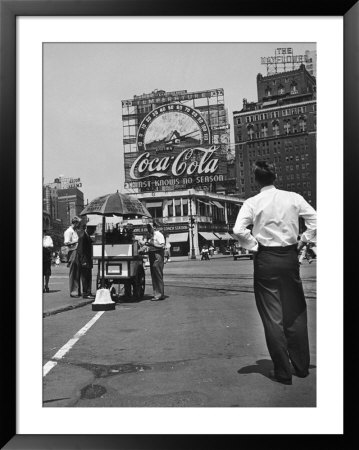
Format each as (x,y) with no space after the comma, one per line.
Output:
(278,288)
(71,240)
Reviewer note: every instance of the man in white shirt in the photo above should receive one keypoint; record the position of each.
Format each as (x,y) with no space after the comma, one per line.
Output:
(156,256)
(274,215)
(71,240)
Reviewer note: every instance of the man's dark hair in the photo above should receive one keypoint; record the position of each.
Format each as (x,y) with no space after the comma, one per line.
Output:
(264,173)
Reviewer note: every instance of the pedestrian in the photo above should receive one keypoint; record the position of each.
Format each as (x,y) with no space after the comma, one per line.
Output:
(211,250)
(47,246)
(204,253)
(71,240)
(278,289)
(156,244)
(167,251)
(57,260)
(84,255)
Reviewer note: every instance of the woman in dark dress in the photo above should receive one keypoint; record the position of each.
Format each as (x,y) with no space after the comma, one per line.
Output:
(47,246)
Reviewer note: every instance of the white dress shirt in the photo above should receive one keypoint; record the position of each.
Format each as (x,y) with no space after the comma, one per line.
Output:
(158,239)
(274,215)
(71,237)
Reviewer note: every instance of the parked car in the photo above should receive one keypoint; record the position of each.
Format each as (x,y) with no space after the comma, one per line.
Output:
(240,252)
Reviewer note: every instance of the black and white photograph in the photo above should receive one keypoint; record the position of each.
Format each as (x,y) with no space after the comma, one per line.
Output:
(179,224)
(179,207)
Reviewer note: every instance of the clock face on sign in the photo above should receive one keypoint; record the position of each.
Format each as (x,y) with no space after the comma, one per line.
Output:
(172,126)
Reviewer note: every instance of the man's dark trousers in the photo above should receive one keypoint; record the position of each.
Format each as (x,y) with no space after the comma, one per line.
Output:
(156,266)
(74,273)
(281,304)
(86,280)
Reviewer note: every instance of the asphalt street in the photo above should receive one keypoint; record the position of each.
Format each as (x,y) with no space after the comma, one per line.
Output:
(203,346)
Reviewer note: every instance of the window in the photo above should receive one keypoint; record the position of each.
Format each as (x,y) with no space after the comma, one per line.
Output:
(264,130)
(268,91)
(185,206)
(275,126)
(302,124)
(287,126)
(293,88)
(250,132)
(280,90)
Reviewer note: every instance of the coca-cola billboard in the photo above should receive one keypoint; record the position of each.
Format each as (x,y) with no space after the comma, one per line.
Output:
(175,152)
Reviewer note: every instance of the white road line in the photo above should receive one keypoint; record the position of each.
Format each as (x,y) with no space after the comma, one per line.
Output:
(68,346)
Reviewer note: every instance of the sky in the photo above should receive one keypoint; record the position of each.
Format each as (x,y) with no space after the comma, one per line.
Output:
(84,84)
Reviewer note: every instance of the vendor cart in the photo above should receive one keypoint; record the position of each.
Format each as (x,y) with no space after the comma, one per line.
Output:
(123,266)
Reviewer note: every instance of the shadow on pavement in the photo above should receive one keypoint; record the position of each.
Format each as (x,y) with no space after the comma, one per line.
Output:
(123,300)
(262,366)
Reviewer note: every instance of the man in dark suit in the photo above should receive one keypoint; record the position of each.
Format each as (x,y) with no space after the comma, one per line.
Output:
(84,253)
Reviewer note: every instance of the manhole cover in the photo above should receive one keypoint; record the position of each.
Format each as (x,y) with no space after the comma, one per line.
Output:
(92,391)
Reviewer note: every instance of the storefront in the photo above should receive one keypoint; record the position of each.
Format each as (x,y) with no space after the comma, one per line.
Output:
(192,218)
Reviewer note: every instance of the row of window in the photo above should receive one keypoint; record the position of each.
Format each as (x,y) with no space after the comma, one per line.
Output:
(303,166)
(281,90)
(179,207)
(275,114)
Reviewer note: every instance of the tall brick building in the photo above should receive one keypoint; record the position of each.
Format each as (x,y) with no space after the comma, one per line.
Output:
(279,127)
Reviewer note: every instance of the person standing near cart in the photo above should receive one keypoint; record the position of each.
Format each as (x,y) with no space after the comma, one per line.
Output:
(278,289)
(156,244)
(84,255)
(71,240)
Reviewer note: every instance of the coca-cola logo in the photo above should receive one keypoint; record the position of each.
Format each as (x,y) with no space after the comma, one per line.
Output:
(191,161)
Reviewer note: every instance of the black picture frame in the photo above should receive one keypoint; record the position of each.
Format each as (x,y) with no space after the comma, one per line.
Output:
(9,10)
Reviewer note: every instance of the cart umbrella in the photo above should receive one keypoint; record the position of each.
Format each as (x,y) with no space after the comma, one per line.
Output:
(116,204)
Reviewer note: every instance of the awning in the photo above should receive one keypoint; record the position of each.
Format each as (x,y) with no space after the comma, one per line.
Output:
(178,237)
(223,235)
(208,236)
(217,204)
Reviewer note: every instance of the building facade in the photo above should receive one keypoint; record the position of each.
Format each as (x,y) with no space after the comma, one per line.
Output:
(62,200)
(70,204)
(279,127)
(178,162)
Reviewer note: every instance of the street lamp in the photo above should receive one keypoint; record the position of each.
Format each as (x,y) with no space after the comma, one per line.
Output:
(191,227)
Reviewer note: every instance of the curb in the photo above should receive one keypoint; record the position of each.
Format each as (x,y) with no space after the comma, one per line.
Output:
(66,308)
